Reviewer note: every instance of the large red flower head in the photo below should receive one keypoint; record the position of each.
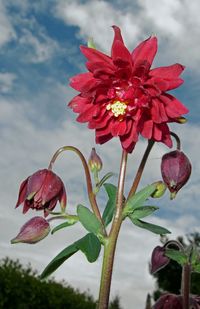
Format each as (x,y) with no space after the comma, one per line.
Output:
(122,96)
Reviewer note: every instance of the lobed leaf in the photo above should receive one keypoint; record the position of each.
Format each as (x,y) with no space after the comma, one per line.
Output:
(138,199)
(149,226)
(108,213)
(89,220)
(89,245)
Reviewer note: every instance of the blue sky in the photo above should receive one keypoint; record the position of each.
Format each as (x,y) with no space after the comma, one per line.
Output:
(39,52)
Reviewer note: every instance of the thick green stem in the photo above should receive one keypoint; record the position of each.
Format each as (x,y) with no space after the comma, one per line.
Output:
(185,285)
(91,194)
(111,241)
(140,169)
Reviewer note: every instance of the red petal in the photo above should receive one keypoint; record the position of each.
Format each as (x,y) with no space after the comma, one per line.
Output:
(158,113)
(118,127)
(83,82)
(118,35)
(128,141)
(26,207)
(173,107)
(36,181)
(145,51)
(22,192)
(120,54)
(100,69)
(168,72)
(94,55)
(147,129)
(79,104)
(87,115)
(103,139)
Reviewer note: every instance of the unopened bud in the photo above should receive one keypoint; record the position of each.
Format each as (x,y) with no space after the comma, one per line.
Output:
(94,162)
(160,189)
(176,169)
(158,259)
(32,231)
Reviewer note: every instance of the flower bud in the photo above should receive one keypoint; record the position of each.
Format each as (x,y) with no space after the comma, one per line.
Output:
(32,231)
(158,259)
(172,301)
(176,169)
(160,189)
(94,162)
(42,191)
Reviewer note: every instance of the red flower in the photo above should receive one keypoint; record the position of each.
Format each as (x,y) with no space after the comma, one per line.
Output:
(41,191)
(121,96)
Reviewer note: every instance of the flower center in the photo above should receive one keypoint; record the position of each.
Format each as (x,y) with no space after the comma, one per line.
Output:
(118,108)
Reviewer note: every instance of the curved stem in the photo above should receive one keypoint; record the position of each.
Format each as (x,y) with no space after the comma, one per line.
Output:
(174,243)
(178,141)
(111,241)
(140,169)
(91,195)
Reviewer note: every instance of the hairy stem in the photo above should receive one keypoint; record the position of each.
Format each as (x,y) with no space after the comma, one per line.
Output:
(140,169)
(91,194)
(185,285)
(111,241)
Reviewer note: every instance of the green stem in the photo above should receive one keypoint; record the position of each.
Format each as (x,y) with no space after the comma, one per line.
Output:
(91,194)
(111,241)
(140,169)
(185,285)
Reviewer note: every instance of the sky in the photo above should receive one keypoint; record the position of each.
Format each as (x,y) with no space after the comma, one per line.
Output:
(39,52)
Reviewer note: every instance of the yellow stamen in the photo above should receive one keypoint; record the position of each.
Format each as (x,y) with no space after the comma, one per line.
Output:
(118,108)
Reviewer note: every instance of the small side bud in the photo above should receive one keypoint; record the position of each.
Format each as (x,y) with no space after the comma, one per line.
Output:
(32,231)
(94,162)
(158,259)
(181,120)
(160,190)
(176,170)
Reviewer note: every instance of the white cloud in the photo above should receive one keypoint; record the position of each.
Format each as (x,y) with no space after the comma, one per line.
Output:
(176,23)
(7,32)
(6,81)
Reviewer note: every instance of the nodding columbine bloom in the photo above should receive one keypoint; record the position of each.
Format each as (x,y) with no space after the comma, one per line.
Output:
(42,191)
(176,170)
(95,162)
(122,96)
(32,231)
(158,259)
(172,301)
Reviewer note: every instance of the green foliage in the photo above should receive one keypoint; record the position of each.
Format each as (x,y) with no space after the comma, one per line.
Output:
(21,288)
(138,199)
(63,225)
(89,220)
(149,226)
(89,245)
(142,212)
(111,190)
(177,256)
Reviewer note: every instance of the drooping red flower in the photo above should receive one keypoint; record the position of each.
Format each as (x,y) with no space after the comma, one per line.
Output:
(42,191)
(122,96)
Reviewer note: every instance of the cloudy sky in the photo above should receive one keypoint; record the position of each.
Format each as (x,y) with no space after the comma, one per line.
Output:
(39,51)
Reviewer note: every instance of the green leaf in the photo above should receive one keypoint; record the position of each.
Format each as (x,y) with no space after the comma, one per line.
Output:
(138,199)
(105,178)
(63,225)
(89,220)
(110,206)
(90,43)
(176,255)
(89,245)
(149,226)
(143,211)
(195,260)
(58,260)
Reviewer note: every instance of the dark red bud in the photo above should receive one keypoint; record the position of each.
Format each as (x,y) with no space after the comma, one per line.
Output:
(158,259)
(32,231)
(176,169)
(172,301)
